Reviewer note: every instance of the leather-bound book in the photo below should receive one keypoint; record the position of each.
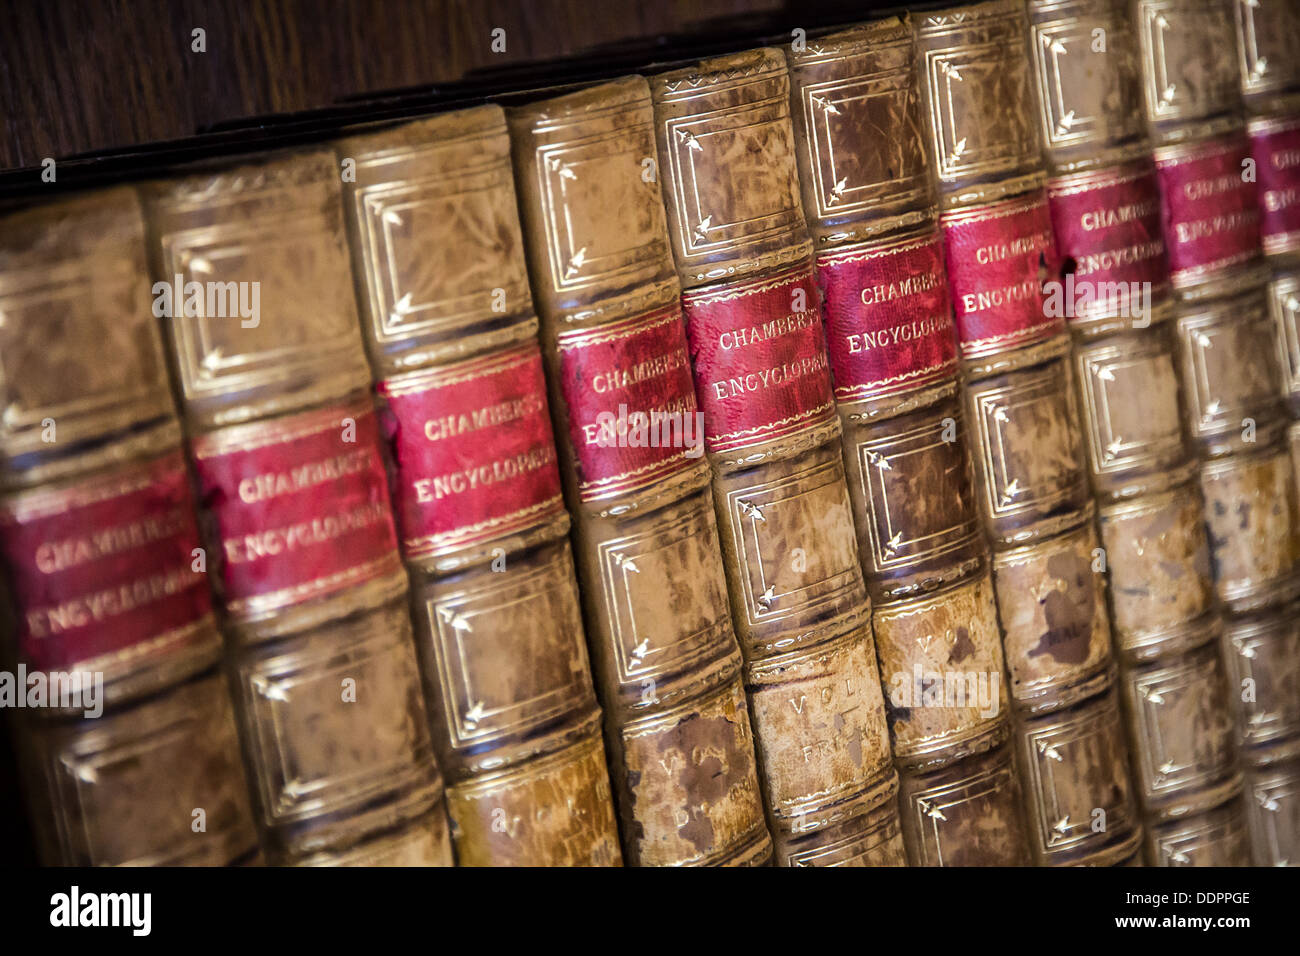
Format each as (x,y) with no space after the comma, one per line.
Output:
(1230,376)
(1264,651)
(254,291)
(677,724)
(1031,480)
(1115,291)
(452,339)
(763,382)
(871,206)
(1268,35)
(98,542)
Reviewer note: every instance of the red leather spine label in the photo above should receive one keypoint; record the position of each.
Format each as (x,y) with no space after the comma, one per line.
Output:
(759,353)
(473,448)
(1275,144)
(888,318)
(631,401)
(103,565)
(1107,228)
(299,505)
(998,257)
(1211,221)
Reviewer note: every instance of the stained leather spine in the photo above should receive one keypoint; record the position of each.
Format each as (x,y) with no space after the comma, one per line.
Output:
(1116,291)
(283,441)
(1211,186)
(677,724)
(871,205)
(99,543)
(1031,482)
(754,328)
(1268,33)
(451,335)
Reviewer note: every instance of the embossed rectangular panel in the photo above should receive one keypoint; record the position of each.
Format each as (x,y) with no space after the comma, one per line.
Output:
(1284,307)
(793,537)
(1262,655)
(848,178)
(108,806)
(915,482)
(81,353)
(701,146)
(857,120)
(1086,72)
(297,695)
(638,569)
(1182,730)
(1187,58)
(578,187)
(435,240)
(1229,367)
(726,151)
(975,77)
(1076,779)
(1128,387)
(1268,33)
(419,288)
(1027,450)
(1219,837)
(504,667)
(969,814)
(1273,800)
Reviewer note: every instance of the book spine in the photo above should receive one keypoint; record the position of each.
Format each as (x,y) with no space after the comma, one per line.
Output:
(677,724)
(1031,481)
(451,334)
(99,544)
(1262,651)
(253,285)
(1210,184)
(871,206)
(1116,292)
(763,381)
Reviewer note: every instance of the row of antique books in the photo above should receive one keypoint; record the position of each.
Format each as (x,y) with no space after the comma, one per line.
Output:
(875,449)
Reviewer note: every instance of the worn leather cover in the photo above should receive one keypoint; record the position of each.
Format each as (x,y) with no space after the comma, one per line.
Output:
(1195,117)
(293,495)
(677,724)
(726,155)
(1267,34)
(872,207)
(1270,86)
(1031,477)
(1267,30)
(98,540)
(981,119)
(449,326)
(1139,399)
(1189,67)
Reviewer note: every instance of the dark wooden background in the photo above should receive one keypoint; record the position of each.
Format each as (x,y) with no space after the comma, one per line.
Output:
(82,75)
